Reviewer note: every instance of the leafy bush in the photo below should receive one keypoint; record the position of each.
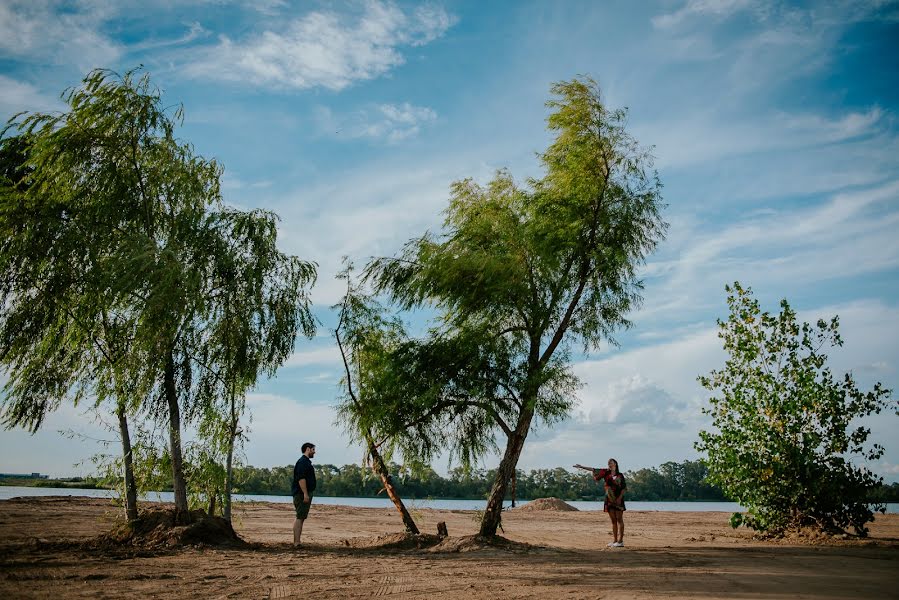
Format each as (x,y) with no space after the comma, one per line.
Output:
(784,424)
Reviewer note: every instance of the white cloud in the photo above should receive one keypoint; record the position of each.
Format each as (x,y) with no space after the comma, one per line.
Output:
(700,8)
(386,122)
(195,31)
(17,96)
(281,425)
(633,399)
(322,49)
(267,7)
(644,405)
(373,211)
(328,377)
(328,355)
(661,376)
(706,137)
(847,235)
(827,14)
(49,452)
(775,42)
(430,22)
(230,182)
(41,31)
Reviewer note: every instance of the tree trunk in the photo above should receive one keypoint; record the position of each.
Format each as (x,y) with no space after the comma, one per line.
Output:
(380,469)
(182,514)
(130,485)
(514,481)
(229,476)
(212,496)
(493,512)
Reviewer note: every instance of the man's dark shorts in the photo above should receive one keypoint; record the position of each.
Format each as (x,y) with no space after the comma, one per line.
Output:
(301,507)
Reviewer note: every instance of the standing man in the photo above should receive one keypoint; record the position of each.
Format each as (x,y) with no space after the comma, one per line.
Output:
(302,488)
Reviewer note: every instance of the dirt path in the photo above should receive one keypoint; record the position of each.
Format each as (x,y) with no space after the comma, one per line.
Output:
(668,555)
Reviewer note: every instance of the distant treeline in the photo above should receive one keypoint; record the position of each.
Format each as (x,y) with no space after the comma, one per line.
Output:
(670,481)
(81,483)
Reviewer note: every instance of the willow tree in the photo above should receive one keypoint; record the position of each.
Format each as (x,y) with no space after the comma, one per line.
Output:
(535,271)
(380,405)
(64,335)
(259,306)
(113,229)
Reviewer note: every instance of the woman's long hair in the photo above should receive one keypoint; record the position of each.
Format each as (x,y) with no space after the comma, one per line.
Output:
(617,468)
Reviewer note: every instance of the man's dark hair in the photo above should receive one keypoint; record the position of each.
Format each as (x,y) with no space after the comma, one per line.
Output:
(306,446)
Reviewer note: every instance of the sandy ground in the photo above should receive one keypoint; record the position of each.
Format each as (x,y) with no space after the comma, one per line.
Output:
(668,555)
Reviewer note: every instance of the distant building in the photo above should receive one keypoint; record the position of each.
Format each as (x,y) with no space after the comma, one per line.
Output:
(23,476)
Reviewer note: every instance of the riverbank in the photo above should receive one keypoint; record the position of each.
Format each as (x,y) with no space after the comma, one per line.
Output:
(382,502)
(667,555)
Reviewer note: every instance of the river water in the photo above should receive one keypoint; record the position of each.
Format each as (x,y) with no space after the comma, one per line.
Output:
(7,492)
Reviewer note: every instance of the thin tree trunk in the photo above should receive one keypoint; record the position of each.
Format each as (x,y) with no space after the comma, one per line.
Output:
(515,443)
(514,481)
(229,477)
(380,469)
(212,496)
(180,487)
(130,485)
(229,460)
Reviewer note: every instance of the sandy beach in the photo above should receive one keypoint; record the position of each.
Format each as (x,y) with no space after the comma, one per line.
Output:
(561,555)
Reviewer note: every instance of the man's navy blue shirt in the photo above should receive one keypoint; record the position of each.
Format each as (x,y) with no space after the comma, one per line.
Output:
(303,470)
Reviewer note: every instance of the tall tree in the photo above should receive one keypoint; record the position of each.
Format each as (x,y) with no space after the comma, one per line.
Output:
(115,225)
(784,429)
(63,334)
(260,305)
(526,274)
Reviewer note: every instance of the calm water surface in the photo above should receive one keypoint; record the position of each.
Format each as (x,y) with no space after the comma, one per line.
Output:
(7,492)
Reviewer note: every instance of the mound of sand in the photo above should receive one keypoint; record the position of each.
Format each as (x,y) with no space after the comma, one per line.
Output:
(546,504)
(471,543)
(393,541)
(156,528)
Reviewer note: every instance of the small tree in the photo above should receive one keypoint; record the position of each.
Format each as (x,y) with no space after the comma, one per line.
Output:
(259,306)
(380,404)
(784,438)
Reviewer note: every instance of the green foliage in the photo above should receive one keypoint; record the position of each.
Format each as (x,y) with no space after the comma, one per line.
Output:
(103,253)
(205,474)
(150,459)
(520,275)
(377,405)
(884,492)
(123,277)
(784,434)
(684,482)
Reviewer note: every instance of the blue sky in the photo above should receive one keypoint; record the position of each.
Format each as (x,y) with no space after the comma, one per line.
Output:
(775,131)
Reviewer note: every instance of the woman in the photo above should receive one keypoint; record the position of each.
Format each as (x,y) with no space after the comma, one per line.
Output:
(615,486)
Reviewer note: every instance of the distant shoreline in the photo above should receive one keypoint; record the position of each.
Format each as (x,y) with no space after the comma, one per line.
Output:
(89,485)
